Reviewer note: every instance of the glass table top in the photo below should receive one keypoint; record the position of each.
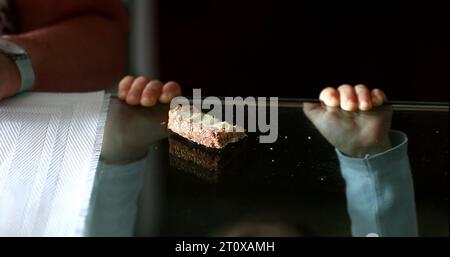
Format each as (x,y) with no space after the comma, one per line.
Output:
(153,183)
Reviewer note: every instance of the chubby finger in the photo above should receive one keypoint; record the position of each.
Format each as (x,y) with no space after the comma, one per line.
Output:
(169,91)
(364,97)
(330,97)
(135,92)
(124,87)
(151,93)
(378,97)
(348,98)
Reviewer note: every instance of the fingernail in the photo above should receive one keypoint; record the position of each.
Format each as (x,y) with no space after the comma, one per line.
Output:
(334,102)
(349,105)
(376,101)
(148,101)
(131,99)
(364,105)
(165,97)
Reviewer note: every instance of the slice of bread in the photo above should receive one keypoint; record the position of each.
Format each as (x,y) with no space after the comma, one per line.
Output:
(204,129)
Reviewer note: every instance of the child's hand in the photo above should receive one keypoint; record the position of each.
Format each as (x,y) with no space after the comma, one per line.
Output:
(145,92)
(353,133)
(352,98)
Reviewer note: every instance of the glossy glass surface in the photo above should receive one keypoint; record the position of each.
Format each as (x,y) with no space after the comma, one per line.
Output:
(151,183)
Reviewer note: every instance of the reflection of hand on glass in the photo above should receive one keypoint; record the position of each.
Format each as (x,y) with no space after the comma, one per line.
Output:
(373,159)
(354,133)
(130,131)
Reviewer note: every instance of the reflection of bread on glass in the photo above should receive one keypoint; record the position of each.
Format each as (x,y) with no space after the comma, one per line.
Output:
(204,129)
(200,161)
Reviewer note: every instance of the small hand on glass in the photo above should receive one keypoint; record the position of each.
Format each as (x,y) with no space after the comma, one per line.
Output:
(348,120)
(145,92)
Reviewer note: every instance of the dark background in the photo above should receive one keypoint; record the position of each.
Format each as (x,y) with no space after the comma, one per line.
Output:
(295,48)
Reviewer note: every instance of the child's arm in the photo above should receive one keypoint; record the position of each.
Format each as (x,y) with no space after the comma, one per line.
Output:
(373,159)
(146,92)
(380,191)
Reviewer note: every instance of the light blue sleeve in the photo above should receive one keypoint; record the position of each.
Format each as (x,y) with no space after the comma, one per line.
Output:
(380,191)
(114,207)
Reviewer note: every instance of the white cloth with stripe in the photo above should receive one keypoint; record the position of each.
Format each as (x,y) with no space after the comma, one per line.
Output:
(49,149)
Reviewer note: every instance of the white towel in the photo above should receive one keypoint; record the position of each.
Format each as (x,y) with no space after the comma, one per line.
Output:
(49,149)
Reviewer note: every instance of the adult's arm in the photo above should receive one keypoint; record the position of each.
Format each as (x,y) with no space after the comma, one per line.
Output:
(75,45)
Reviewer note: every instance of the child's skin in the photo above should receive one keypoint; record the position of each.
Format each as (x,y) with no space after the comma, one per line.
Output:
(146,92)
(353,133)
(352,98)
